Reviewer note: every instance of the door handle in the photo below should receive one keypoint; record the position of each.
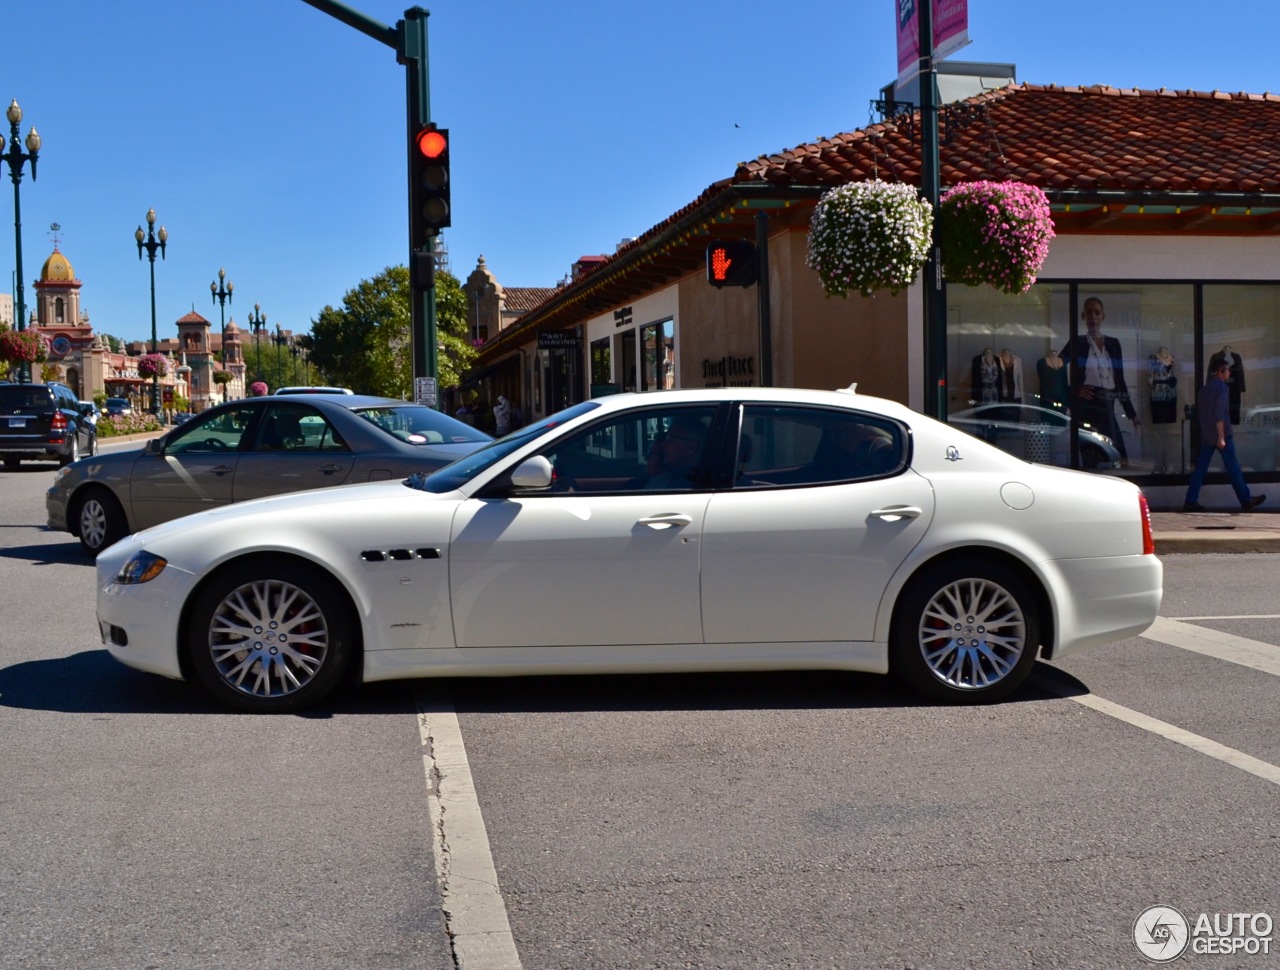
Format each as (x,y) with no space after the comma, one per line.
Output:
(330,468)
(896,512)
(222,469)
(665,520)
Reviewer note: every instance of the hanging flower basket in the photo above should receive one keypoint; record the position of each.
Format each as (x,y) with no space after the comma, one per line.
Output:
(153,365)
(23,347)
(994,232)
(869,236)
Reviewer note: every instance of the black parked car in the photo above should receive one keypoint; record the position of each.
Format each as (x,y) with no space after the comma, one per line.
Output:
(44,421)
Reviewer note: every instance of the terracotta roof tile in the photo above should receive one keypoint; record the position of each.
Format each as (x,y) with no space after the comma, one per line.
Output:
(525,298)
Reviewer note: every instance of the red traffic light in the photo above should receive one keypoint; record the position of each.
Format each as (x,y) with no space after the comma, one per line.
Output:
(432,143)
(731,263)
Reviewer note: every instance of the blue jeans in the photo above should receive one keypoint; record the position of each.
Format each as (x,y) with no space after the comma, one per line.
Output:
(1229,461)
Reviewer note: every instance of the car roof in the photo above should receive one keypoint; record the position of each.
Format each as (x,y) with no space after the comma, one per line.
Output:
(847,397)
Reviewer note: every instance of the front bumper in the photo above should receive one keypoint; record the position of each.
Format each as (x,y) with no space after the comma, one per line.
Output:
(139,624)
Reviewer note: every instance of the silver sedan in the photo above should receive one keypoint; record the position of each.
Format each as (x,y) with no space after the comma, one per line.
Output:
(250,449)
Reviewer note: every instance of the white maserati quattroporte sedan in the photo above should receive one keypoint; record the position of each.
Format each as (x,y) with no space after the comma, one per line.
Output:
(698,530)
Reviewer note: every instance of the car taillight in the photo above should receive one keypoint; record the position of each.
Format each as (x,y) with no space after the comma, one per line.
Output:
(59,422)
(1148,541)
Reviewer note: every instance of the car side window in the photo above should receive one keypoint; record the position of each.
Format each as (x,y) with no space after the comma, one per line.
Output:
(295,427)
(211,433)
(796,446)
(657,449)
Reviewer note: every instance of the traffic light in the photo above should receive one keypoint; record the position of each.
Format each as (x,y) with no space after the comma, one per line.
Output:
(429,186)
(731,262)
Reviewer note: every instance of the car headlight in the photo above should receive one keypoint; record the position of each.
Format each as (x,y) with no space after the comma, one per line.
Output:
(142,567)
(61,473)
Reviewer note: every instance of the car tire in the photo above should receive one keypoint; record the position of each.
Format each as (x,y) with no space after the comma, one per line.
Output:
(93,446)
(11,461)
(73,451)
(965,631)
(1092,457)
(271,637)
(99,520)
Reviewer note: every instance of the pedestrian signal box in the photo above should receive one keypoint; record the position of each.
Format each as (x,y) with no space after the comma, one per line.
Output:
(731,262)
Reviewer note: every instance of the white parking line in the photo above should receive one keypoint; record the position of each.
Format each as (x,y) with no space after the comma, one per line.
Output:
(1215,643)
(475,915)
(1237,759)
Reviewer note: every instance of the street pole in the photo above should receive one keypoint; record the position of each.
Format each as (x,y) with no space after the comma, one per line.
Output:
(152,241)
(221,296)
(257,322)
(935,306)
(15,156)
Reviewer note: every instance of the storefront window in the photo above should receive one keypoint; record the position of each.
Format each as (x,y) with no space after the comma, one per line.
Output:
(1241,326)
(601,371)
(658,345)
(1108,393)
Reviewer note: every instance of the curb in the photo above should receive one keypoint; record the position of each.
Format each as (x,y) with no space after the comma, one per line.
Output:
(1230,541)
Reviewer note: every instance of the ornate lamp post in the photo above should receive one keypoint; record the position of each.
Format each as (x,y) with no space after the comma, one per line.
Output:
(258,323)
(151,241)
(15,156)
(222,296)
(279,340)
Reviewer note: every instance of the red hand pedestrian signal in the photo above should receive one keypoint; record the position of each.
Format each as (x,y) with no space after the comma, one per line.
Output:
(731,262)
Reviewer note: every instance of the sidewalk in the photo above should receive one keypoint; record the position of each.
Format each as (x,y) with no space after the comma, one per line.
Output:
(1177,532)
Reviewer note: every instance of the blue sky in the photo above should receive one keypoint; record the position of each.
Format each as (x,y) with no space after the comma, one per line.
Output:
(270,138)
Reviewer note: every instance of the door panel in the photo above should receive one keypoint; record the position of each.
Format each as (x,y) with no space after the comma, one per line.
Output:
(576,570)
(799,565)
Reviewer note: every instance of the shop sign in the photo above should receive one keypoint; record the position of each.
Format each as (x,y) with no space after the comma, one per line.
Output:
(558,340)
(729,372)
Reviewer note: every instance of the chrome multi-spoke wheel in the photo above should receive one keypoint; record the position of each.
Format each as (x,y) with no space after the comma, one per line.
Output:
(966,632)
(273,636)
(972,634)
(268,638)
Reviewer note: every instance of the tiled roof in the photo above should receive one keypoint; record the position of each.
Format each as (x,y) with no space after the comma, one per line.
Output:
(1167,149)
(1082,138)
(522,299)
(193,317)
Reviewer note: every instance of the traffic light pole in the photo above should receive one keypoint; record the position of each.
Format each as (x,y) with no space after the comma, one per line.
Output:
(935,306)
(409,40)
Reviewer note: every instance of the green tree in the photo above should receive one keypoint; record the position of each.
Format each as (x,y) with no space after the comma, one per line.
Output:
(365,345)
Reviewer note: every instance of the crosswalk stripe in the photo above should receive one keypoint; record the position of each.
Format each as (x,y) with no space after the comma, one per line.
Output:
(1215,643)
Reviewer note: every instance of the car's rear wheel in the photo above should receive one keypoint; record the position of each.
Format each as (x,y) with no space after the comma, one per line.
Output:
(273,637)
(73,451)
(965,631)
(99,520)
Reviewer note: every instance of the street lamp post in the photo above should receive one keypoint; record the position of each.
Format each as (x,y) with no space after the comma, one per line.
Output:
(151,241)
(258,323)
(222,296)
(279,340)
(15,156)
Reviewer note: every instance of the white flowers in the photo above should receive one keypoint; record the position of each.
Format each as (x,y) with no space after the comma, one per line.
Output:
(869,236)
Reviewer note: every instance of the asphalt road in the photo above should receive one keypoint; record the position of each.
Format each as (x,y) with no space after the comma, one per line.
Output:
(745,821)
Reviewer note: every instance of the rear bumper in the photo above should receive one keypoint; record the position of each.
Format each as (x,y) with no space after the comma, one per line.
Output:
(1111,599)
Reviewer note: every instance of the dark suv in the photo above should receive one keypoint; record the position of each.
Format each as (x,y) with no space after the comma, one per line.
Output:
(43,421)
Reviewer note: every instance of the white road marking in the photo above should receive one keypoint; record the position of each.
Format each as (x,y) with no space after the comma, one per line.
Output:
(1233,616)
(475,915)
(1215,643)
(1237,759)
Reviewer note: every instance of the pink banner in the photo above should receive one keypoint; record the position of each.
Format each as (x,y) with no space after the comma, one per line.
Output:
(950,33)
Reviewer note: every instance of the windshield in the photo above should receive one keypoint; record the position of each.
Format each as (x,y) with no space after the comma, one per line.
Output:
(454,475)
(418,424)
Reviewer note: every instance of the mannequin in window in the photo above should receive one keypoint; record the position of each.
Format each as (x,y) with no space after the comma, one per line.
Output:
(1164,387)
(1010,377)
(1097,378)
(986,378)
(1235,385)
(1053,381)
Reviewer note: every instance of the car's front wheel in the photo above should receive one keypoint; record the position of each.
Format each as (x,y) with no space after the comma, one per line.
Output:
(965,631)
(272,637)
(99,521)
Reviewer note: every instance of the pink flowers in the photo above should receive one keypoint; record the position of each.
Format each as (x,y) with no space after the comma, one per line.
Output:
(153,365)
(25,347)
(994,232)
(258,389)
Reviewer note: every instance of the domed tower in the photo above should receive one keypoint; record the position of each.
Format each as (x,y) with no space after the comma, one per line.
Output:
(57,293)
(233,362)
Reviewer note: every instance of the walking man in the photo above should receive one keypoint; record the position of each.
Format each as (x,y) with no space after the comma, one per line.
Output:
(1213,409)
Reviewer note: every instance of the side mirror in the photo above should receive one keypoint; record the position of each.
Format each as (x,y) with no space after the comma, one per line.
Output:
(154,446)
(533,472)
